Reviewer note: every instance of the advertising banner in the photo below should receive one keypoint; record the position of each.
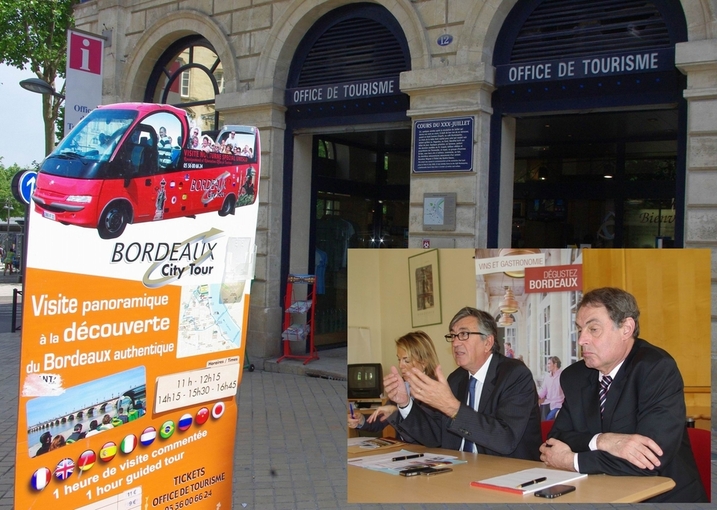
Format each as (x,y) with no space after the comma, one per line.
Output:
(533,294)
(83,82)
(136,301)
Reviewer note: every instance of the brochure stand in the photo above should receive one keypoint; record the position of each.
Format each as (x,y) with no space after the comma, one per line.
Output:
(299,316)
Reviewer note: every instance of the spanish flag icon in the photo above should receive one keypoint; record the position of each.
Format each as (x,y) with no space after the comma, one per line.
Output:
(108,451)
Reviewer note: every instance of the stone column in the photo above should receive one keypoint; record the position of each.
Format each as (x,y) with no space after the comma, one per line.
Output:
(260,108)
(455,91)
(698,60)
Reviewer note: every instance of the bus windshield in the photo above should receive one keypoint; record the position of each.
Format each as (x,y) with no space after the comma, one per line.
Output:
(96,136)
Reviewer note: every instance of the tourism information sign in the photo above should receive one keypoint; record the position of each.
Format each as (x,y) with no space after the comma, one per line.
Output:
(83,75)
(135,310)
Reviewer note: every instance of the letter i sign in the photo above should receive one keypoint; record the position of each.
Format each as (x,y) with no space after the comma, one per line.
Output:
(85,54)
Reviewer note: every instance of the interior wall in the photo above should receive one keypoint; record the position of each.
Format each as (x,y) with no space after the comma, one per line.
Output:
(672,288)
(364,307)
(379,300)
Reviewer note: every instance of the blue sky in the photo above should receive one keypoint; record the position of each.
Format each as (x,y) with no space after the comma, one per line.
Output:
(95,390)
(22,140)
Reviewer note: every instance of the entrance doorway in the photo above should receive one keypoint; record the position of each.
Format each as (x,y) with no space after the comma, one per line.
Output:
(604,179)
(360,198)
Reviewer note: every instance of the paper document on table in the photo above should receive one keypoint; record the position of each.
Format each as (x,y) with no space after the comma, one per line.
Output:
(512,481)
(404,459)
(361,444)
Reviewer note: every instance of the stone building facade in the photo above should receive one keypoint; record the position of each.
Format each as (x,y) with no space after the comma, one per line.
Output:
(478,66)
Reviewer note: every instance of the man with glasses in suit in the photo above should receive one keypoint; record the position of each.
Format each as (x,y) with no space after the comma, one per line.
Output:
(488,405)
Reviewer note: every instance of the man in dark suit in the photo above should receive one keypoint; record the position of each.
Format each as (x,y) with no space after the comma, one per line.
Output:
(503,418)
(636,426)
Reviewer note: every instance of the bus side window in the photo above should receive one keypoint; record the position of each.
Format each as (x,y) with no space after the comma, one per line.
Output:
(167,138)
(129,156)
(144,154)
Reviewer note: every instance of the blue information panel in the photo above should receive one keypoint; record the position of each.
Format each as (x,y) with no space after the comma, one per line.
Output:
(443,145)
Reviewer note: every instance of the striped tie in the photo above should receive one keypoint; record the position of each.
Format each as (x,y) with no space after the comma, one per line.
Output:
(468,445)
(604,386)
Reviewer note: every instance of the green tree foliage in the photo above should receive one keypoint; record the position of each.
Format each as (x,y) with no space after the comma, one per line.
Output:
(6,197)
(33,33)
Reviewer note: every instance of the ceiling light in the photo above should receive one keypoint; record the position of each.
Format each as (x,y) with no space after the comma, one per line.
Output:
(508,304)
(505,320)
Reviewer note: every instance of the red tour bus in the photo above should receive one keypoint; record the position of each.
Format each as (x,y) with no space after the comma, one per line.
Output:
(136,162)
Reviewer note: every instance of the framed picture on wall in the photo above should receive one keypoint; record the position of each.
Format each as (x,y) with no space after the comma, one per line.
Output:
(425,289)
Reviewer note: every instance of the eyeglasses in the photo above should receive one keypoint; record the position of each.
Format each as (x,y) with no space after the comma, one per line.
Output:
(462,335)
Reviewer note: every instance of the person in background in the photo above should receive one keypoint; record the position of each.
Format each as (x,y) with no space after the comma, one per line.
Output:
(624,408)
(122,416)
(231,141)
(248,187)
(45,442)
(164,148)
(93,429)
(8,260)
(501,419)
(509,352)
(106,423)
(550,393)
(413,350)
(77,434)
(57,442)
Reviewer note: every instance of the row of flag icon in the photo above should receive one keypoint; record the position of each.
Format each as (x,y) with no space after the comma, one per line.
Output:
(42,477)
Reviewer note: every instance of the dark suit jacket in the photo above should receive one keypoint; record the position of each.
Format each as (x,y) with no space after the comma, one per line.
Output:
(507,422)
(646,397)
(381,424)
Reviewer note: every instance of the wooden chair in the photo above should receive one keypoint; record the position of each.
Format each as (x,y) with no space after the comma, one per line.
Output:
(701,442)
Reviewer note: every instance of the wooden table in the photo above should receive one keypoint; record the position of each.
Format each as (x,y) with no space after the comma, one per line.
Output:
(367,486)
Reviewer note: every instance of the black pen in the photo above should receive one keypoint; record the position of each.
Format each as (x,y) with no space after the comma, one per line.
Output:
(537,480)
(406,457)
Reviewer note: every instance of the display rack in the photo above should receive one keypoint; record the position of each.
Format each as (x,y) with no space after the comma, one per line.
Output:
(299,316)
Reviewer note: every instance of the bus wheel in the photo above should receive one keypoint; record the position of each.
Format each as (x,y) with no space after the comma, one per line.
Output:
(228,206)
(113,221)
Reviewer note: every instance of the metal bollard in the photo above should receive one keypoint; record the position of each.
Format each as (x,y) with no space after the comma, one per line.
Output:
(16,307)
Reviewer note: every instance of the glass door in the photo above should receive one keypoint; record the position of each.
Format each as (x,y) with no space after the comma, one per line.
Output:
(604,180)
(361,189)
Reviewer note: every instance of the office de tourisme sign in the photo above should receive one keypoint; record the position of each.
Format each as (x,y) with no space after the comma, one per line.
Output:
(342,91)
(652,60)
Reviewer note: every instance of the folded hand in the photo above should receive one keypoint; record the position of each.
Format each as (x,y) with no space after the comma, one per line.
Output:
(639,450)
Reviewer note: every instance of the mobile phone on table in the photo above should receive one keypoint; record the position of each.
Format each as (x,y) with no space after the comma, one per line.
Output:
(555,491)
(436,471)
(414,471)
